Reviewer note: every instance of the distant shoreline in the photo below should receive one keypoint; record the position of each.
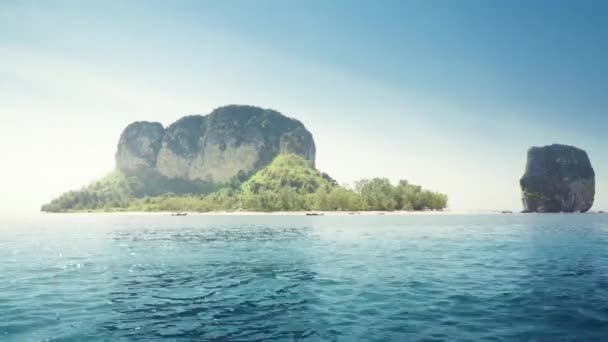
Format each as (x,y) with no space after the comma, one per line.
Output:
(303,213)
(279,213)
(272,213)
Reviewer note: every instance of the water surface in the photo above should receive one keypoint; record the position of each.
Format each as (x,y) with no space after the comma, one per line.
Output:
(330,278)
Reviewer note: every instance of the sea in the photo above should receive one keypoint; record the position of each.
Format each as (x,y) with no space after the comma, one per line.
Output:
(414,277)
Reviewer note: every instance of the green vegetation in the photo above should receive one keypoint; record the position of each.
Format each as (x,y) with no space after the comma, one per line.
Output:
(112,191)
(380,194)
(288,183)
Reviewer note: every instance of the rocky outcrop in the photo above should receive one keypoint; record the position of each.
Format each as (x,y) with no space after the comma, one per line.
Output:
(139,145)
(213,148)
(558,178)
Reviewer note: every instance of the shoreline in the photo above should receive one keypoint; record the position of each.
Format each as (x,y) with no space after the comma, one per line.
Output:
(446,213)
(281,213)
(304,213)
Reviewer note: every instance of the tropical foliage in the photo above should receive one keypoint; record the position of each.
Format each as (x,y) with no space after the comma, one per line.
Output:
(289,183)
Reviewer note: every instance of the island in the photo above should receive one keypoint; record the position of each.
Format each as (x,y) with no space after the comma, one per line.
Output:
(558,178)
(237,158)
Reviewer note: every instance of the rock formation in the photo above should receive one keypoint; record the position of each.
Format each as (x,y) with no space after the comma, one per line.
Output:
(212,148)
(139,145)
(558,178)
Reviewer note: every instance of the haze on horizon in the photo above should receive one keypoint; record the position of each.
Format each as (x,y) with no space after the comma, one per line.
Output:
(449,95)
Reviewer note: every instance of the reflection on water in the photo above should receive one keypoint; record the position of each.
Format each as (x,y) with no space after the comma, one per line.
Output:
(386,278)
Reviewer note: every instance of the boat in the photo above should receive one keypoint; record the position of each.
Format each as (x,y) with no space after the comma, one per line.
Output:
(314,214)
(179,214)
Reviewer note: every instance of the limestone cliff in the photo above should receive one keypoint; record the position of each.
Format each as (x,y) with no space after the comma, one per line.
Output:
(558,178)
(212,148)
(139,145)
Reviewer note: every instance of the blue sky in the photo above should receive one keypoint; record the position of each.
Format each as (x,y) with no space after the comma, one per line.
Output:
(447,94)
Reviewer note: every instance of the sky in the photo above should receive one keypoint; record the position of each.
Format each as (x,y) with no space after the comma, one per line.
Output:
(446,94)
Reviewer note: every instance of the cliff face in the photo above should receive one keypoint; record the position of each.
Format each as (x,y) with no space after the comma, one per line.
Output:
(212,148)
(558,178)
(139,145)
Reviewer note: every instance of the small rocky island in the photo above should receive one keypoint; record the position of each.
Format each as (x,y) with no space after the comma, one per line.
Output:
(558,178)
(235,158)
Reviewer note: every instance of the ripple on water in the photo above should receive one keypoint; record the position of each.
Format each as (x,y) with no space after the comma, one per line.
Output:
(456,277)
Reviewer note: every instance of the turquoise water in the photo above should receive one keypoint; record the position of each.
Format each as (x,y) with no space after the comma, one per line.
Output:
(330,278)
